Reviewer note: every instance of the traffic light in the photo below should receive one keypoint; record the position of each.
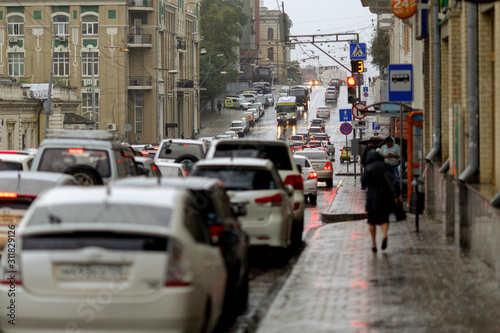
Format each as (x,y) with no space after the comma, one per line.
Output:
(351,90)
(357,66)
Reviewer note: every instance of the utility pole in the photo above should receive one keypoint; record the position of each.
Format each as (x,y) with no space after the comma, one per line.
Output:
(48,106)
(93,96)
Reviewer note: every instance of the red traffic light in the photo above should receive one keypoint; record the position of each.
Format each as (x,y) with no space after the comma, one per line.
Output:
(351,81)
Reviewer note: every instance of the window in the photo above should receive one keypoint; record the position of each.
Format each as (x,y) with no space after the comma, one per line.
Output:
(138,113)
(87,107)
(37,15)
(61,63)
(270,33)
(270,54)
(90,25)
(60,25)
(111,14)
(90,62)
(15,25)
(16,64)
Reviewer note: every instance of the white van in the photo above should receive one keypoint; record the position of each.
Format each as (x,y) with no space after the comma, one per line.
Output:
(284,91)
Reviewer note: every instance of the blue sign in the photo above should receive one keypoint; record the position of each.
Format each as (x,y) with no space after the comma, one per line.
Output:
(400,83)
(345,114)
(375,127)
(365,89)
(357,51)
(345,128)
(365,94)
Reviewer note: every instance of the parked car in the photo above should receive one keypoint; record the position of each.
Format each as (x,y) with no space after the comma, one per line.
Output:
(321,163)
(183,151)
(140,251)
(236,102)
(345,155)
(250,97)
(232,134)
(92,157)
(269,216)
(11,160)
(280,154)
(239,127)
(18,189)
(309,176)
(221,218)
(323,112)
(260,107)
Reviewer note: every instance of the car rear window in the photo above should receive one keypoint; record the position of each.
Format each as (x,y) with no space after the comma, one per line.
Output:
(302,162)
(239,178)
(103,239)
(313,155)
(101,213)
(296,137)
(175,150)
(277,154)
(10,166)
(62,159)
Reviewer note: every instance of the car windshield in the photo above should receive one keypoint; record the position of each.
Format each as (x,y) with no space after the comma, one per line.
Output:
(177,149)
(313,155)
(277,154)
(115,213)
(239,178)
(10,166)
(236,125)
(63,159)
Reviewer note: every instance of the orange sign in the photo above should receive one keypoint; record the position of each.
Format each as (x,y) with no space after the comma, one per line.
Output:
(404,8)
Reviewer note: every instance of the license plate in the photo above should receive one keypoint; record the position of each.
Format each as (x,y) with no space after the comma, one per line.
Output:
(92,272)
(9,219)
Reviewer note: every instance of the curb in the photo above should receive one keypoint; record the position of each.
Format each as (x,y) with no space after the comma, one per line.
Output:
(332,218)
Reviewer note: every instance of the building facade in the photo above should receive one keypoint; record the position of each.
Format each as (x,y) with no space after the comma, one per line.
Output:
(134,63)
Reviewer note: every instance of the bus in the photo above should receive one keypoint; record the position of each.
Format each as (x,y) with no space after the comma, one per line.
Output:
(302,95)
(286,110)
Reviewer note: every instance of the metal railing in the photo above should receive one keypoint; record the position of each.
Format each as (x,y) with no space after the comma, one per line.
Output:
(140,81)
(139,39)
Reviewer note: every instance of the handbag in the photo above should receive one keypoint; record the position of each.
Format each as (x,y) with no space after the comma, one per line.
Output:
(399,211)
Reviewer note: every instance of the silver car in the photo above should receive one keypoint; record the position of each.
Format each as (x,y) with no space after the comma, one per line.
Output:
(309,176)
(321,163)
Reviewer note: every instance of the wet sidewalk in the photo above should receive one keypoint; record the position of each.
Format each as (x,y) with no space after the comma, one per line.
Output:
(420,283)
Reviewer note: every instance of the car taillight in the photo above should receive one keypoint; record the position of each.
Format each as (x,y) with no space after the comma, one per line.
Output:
(179,271)
(275,200)
(312,175)
(11,273)
(322,148)
(294,180)
(8,195)
(328,166)
(8,152)
(327,111)
(144,153)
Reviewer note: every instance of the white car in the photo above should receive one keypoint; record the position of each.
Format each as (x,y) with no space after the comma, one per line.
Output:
(323,112)
(183,151)
(309,176)
(280,154)
(232,134)
(269,215)
(11,160)
(239,127)
(148,165)
(106,259)
(321,163)
(284,91)
(170,169)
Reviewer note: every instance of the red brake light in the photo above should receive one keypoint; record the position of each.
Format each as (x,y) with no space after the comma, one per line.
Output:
(294,180)
(180,272)
(328,166)
(322,148)
(155,148)
(215,230)
(8,195)
(275,199)
(8,152)
(145,152)
(312,175)
(76,151)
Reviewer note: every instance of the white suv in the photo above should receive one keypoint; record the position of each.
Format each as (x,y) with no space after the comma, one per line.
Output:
(280,154)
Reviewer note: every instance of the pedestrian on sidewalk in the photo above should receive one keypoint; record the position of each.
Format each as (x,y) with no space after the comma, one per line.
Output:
(369,147)
(380,181)
(392,154)
(219,106)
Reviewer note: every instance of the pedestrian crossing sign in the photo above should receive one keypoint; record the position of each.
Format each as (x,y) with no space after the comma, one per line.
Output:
(357,51)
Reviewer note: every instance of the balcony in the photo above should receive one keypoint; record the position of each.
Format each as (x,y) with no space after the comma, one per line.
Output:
(140,83)
(140,5)
(181,45)
(139,40)
(185,83)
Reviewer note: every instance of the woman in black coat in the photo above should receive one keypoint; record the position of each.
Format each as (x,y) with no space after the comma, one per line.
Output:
(382,189)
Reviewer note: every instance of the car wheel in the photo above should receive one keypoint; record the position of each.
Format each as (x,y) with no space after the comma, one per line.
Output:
(329,183)
(85,174)
(313,198)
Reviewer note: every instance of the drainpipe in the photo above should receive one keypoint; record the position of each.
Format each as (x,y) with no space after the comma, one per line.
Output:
(473,93)
(158,139)
(437,83)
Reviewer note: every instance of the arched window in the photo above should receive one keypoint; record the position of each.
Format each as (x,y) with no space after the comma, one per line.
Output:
(60,25)
(270,33)
(90,25)
(15,25)
(270,54)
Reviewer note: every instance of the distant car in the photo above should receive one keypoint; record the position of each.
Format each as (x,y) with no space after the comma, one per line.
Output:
(331,94)
(270,99)
(18,189)
(183,151)
(140,251)
(294,146)
(11,160)
(321,163)
(171,169)
(329,147)
(311,144)
(147,164)
(264,101)
(260,107)
(323,112)
(238,127)
(318,122)
(284,91)
(250,97)
(269,217)
(315,129)
(147,150)
(345,155)
(309,176)
(232,134)
(302,139)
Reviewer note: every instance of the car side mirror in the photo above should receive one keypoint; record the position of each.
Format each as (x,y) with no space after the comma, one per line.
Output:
(299,167)
(239,208)
(289,189)
(227,238)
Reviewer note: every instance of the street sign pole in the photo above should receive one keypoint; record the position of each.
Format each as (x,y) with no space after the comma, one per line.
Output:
(347,154)
(401,148)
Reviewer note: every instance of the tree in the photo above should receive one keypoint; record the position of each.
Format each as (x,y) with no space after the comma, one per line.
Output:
(379,49)
(221,22)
